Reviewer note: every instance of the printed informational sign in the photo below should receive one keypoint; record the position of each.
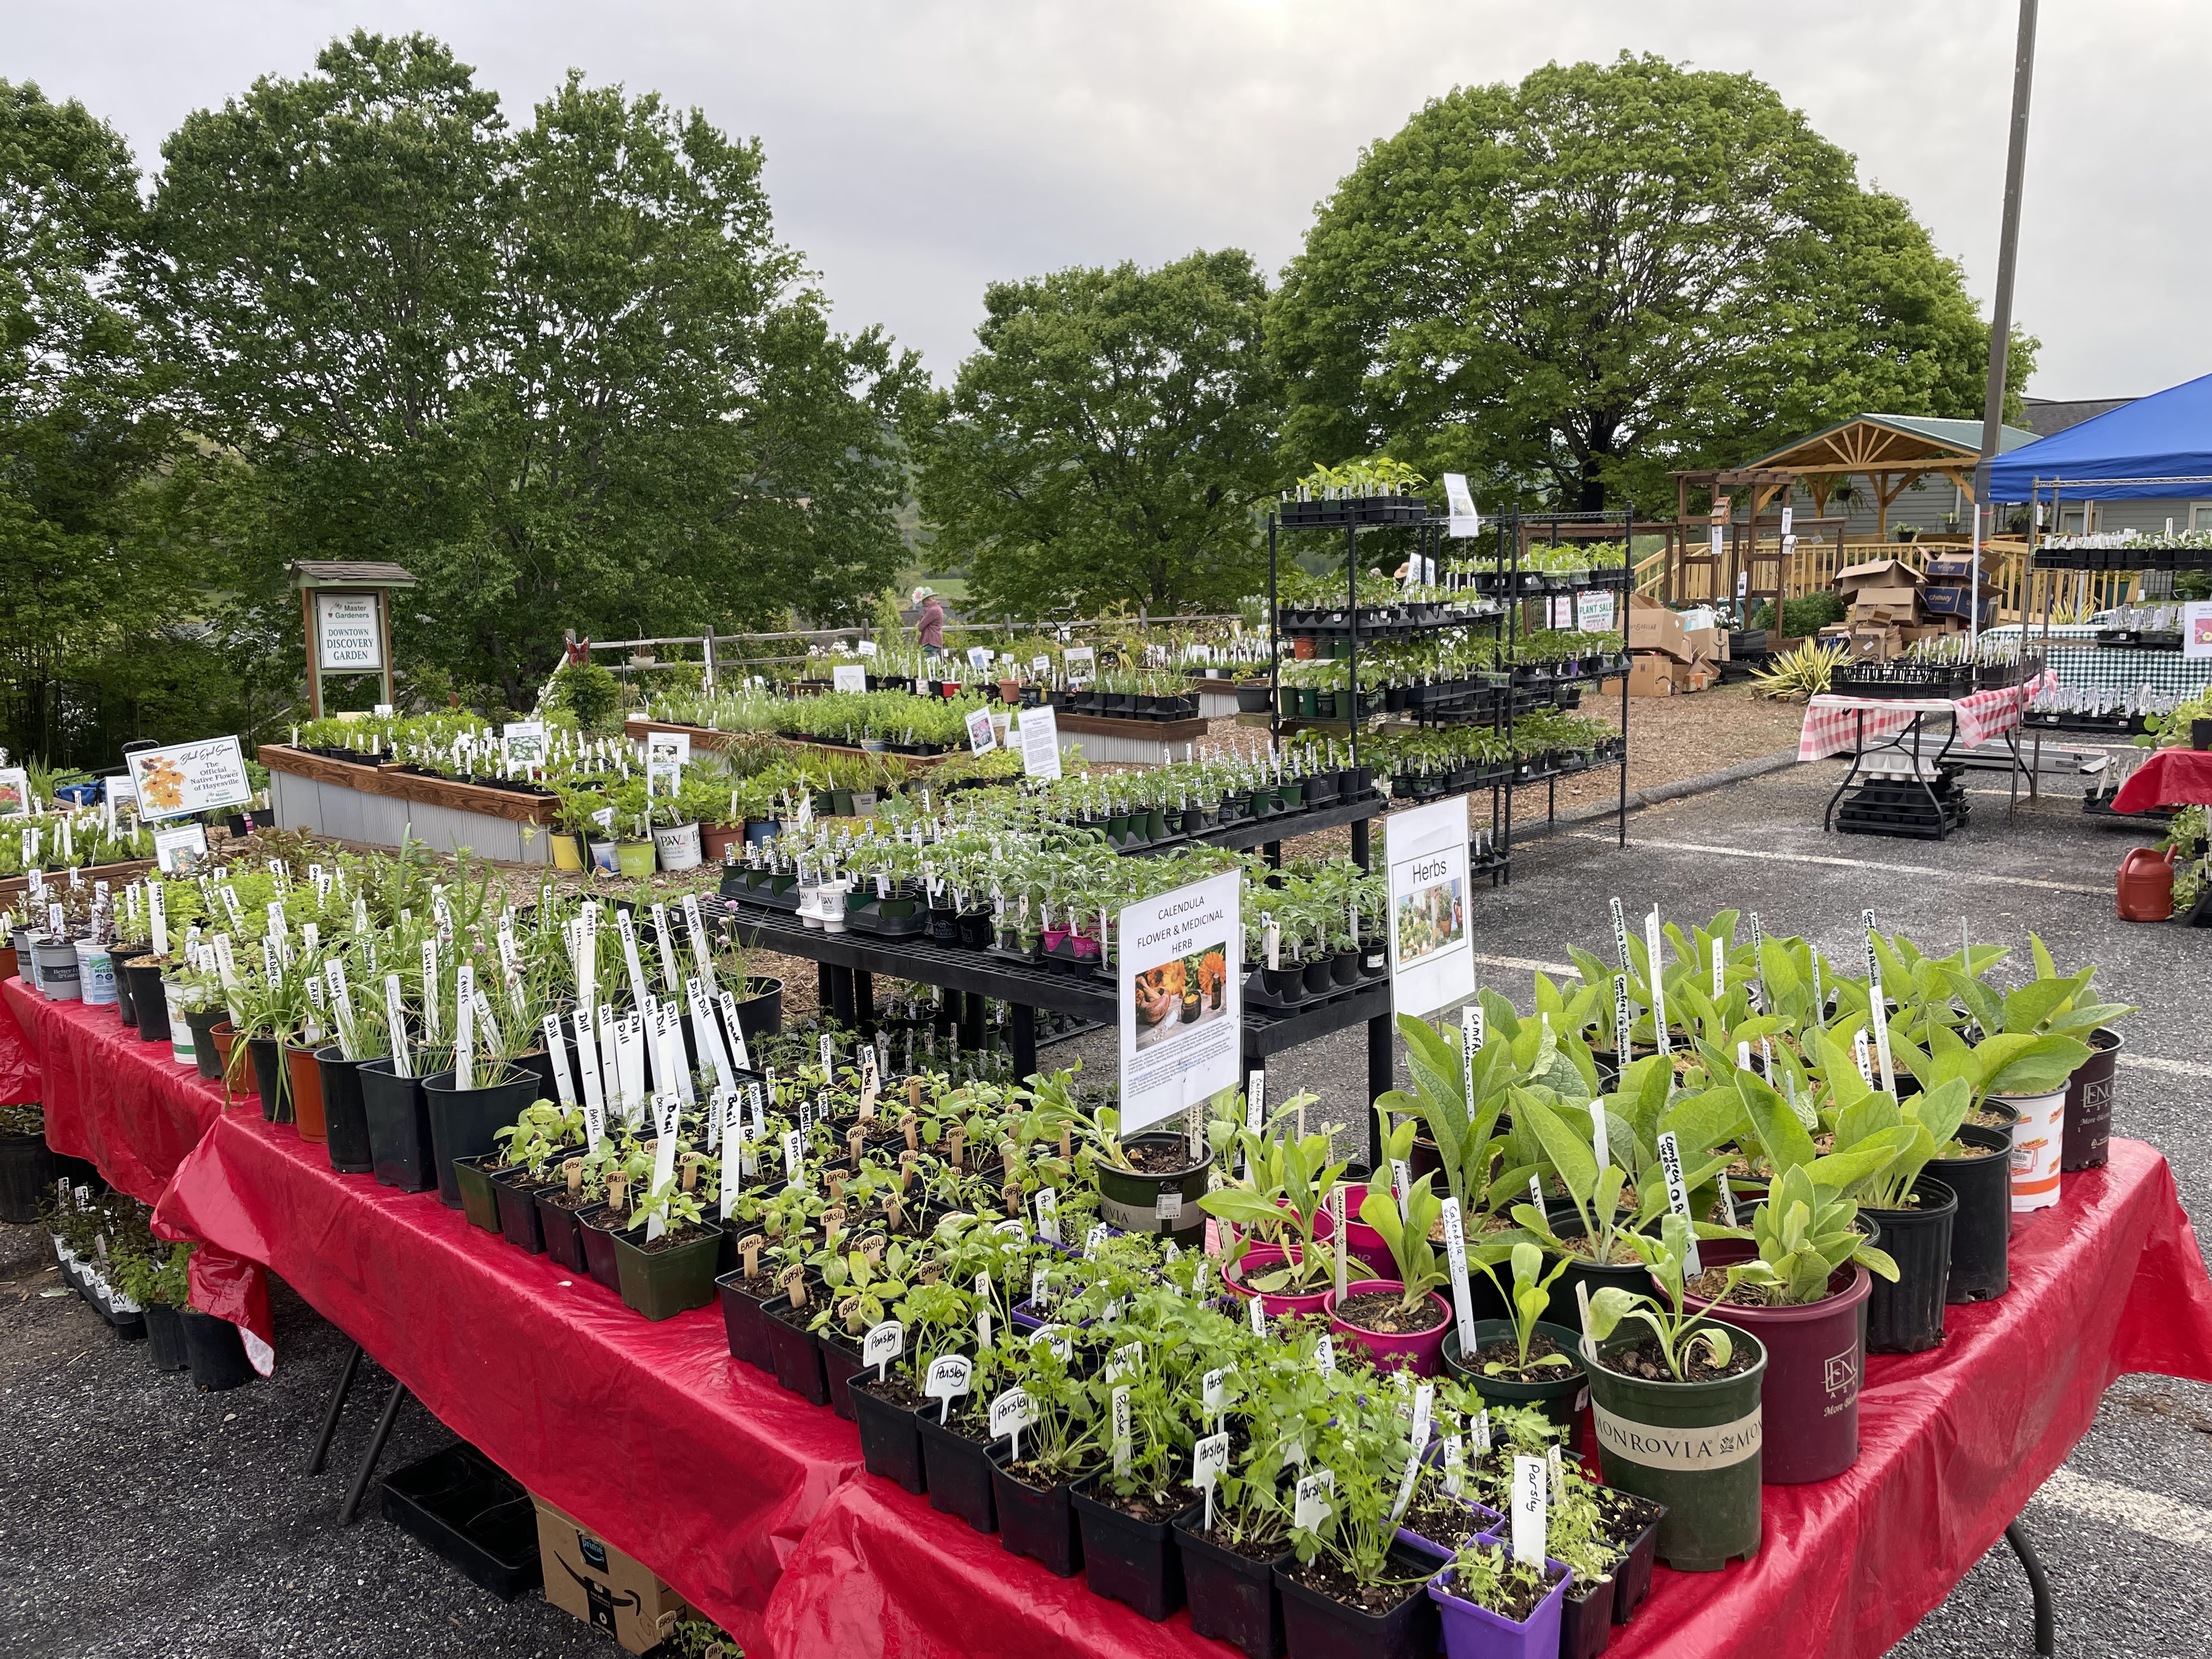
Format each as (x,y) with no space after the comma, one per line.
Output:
(1593,611)
(349,639)
(2196,629)
(174,850)
(1081,662)
(982,732)
(15,791)
(665,753)
(849,676)
(189,777)
(526,742)
(1431,953)
(1181,1003)
(1040,731)
(1459,504)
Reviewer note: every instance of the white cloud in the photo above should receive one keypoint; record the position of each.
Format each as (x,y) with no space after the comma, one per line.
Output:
(918,150)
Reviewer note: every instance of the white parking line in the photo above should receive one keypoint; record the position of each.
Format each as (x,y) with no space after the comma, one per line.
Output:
(2150,1513)
(2103,890)
(1555,969)
(2177,1067)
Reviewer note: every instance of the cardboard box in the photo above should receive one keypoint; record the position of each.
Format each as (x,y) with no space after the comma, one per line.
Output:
(1881,573)
(1654,674)
(1958,567)
(1653,626)
(605,1588)
(1705,643)
(1957,601)
(1876,644)
(1702,676)
(1899,596)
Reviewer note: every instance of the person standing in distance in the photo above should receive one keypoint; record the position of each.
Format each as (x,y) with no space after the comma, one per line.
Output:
(929,627)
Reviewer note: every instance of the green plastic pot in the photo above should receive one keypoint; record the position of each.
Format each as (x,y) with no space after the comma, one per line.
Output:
(1131,1201)
(1560,1401)
(635,858)
(1691,1446)
(479,1197)
(661,1283)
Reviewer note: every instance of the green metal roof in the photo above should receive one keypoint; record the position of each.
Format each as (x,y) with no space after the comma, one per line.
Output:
(1963,436)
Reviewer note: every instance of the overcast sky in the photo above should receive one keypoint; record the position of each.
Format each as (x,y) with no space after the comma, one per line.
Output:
(916,151)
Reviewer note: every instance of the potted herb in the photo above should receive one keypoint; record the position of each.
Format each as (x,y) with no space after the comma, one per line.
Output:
(1400,1321)
(1034,1495)
(1281,1255)
(1526,1360)
(1149,1183)
(665,1252)
(1494,1607)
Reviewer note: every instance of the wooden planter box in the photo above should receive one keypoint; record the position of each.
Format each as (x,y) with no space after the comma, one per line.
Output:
(382,806)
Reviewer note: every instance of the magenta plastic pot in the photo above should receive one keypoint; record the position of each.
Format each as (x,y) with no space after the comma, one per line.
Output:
(1815,1362)
(1421,1353)
(1361,1241)
(1260,1259)
(1475,1632)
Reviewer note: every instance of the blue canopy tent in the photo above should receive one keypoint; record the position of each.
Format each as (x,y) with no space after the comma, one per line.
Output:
(2155,447)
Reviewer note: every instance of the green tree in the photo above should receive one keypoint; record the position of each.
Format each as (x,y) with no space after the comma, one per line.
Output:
(1569,287)
(1108,439)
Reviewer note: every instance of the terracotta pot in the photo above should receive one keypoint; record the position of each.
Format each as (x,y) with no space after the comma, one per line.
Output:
(714,839)
(307,1092)
(238,1076)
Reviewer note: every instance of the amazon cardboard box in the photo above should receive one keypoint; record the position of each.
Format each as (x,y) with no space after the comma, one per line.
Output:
(1958,567)
(1702,675)
(1655,674)
(1653,626)
(608,1590)
(1876,644)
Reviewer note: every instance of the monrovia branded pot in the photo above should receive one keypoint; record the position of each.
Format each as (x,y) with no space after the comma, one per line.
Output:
(398,1118)
(1907,1316)
(1165,1204)
(1693,1447)
(215,1351)
(1419,1351)
(890,1437)
(463,1120)
(959,1471)
(148,998)
(305,1081)
(1560,1399)
(1982,1229)
(95,974)
(677,846)
(2038,1141)
(1233,1597)
(2089,1104)
(208,1056)
(1127,1559)
(345,1120)
(661,1280)
(1815,1365)
(165,1338)
(1316,1625)
(269,1078)
(1038,1521)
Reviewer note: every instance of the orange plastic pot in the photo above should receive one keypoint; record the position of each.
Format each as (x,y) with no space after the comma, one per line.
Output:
(225,1035)
(307,1092)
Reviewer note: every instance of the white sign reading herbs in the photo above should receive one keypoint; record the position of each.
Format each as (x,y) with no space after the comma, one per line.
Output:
(189,777)
(347,627)
(1181,999)
(1432,956)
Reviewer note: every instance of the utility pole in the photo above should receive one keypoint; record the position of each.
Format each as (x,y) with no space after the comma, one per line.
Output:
(2023,81)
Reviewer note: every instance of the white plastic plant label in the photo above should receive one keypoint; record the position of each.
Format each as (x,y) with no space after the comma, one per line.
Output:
(465,1044)
(1529,1512)
(794,1153)
(1124,1445)
(628,932)
(1258,1309)
(733,1031)
(1658,982)
(587,1068)
(1678,1198)
(1325,1355)
(1209,1459)
(1311,1506)
(1339,1242)
(1482,1430)
(947,1380)
(395,1017)
(1456,1258)
(1047,1214)
(1093,1239)
(1010,1415)
(1621,935)
(1720,970)
(1040,1289)
(882,1345)
(556,1048)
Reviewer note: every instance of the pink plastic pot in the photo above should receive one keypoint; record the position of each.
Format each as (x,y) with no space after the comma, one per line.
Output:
(1362,1240)
(1421,1353)
(1260,1259)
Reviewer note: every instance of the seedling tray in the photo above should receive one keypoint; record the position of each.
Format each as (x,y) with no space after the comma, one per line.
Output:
(470,1512)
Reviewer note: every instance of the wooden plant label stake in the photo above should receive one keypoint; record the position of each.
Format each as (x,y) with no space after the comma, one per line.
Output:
(1678,1198)
(947,1381)
(1208,1459)
(1528,1475)
(883,1343)
(1455,1255)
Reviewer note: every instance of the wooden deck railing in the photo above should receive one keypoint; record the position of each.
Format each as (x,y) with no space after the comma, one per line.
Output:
(1814,565)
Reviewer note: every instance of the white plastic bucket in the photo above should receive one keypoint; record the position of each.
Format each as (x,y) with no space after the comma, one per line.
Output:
(95,974)
(2038,1141)
(678,846)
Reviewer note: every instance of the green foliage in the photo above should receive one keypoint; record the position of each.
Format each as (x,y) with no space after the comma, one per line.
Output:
(1108,439)
(1804,618)
(589,691)
(1606,271)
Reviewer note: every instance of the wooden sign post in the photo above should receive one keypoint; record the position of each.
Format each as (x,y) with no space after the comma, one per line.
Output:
(345,607)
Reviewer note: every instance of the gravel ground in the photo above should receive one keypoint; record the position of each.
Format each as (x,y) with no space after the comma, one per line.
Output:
(143,1518)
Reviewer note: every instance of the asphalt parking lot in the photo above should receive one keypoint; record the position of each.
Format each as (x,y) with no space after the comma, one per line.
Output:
(141,1518)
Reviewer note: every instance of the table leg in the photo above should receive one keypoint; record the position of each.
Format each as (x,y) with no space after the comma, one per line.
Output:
(971,1021)
(331,1416)
(841,997)
(1023,1038)
(1273,853)
(1381,1063)
(825,987)
(2047,1641)
(864,1003)
(1858,753)
(352,1506)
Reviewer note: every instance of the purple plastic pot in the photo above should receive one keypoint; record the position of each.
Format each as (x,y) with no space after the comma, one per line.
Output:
(1475,1632)
(1815,1362)
(1485,1519)
(1261,1258)
(1421,1353)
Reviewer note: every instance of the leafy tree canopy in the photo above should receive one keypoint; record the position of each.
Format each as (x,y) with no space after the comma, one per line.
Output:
(1569,287)
(1107,441)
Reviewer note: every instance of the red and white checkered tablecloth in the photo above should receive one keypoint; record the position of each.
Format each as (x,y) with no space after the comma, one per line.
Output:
(1832,726)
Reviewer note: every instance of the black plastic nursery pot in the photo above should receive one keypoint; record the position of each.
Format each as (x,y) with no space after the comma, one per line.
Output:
(1131,1200)
(796,1355)
(463,1120)
(119,958)
(147,1000)
(1566,1306)
(206,1058)
(1907,1316)
(1233,1597)
(165,1338)
(215,1352)
(743,1321)
(557,1226)
(959,1471)
(1316,1625)
(599,1238)
(27,1174)
(662,1280)
(479,1195)
(271,1079)
(1134,1562)
(1559,1400)
(1693,1447)
(2089,1102)
(891,1439)
(1586,1620)
(1631,1574)
(840,1363)
(1982,1230)
(398,1119)
(1038,1521)
(515,1192)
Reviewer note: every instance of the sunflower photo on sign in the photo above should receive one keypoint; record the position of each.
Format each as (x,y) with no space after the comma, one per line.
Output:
(15,791)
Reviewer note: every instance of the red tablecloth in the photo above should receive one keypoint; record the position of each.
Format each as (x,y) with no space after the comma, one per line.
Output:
(2171,777)
(753,1505)
(20,1079)
(1832,725)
